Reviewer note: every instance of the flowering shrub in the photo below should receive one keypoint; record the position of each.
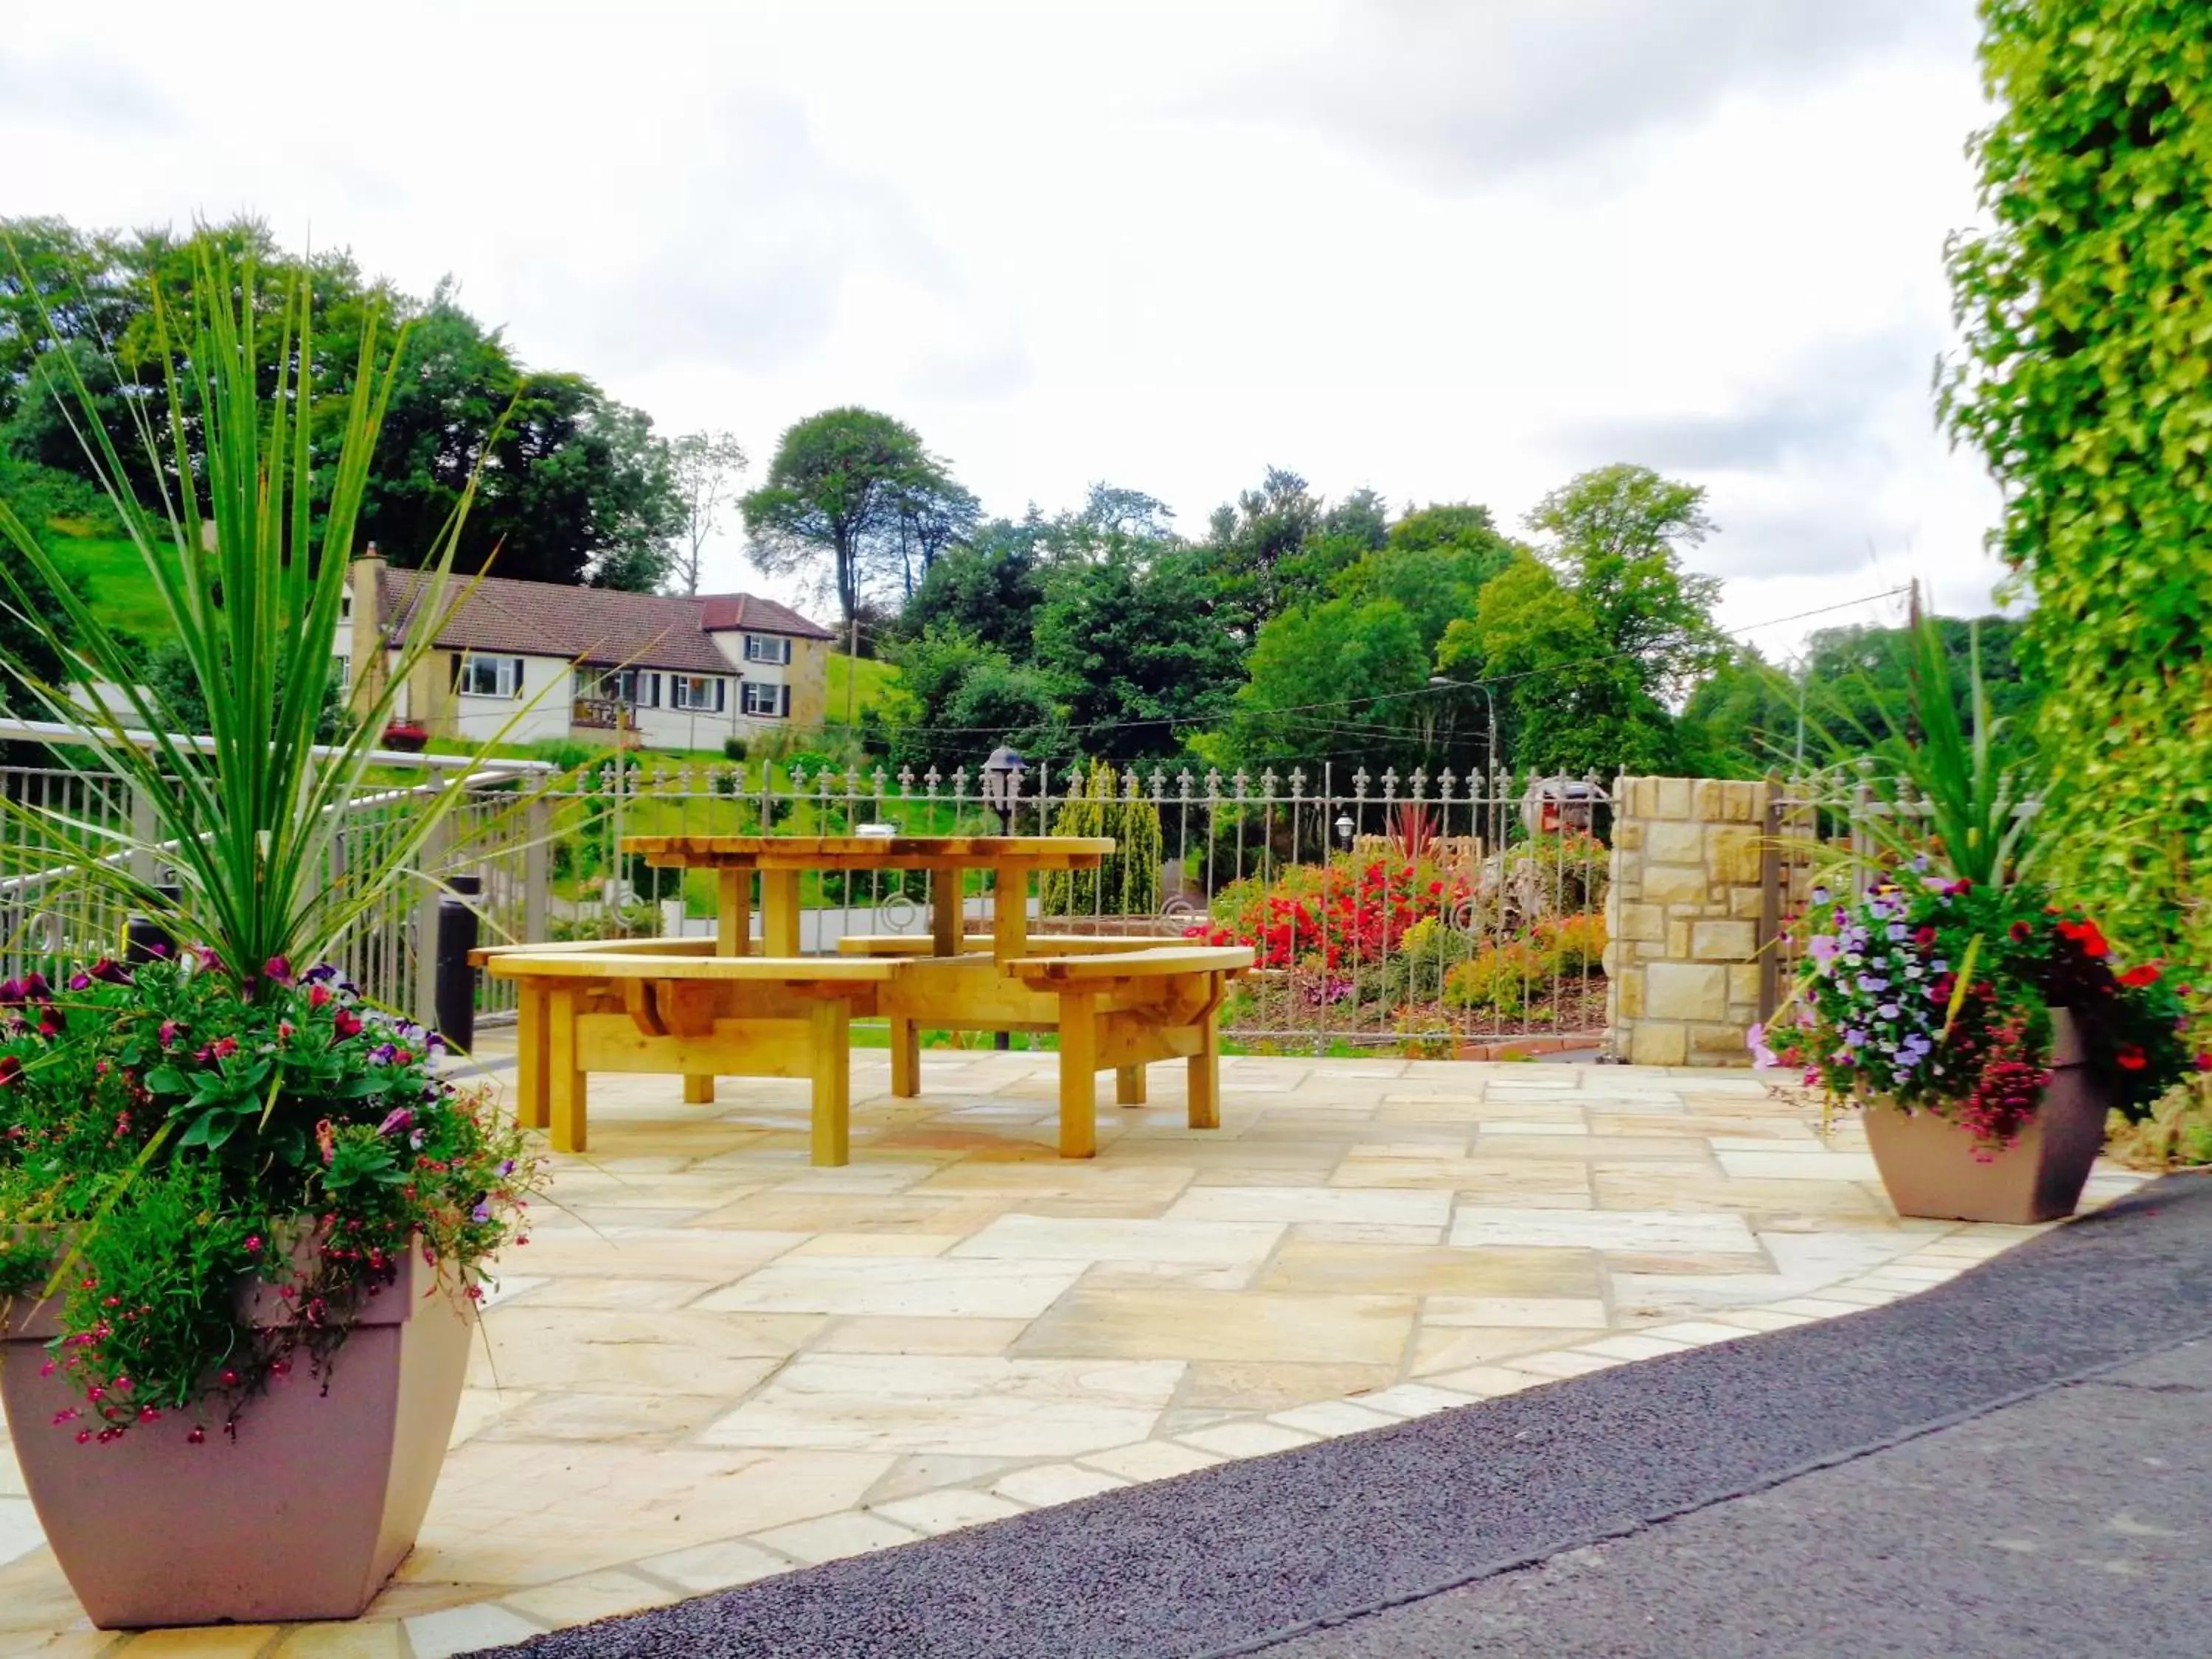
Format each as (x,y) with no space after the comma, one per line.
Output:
(1504,977)
(1354,909)
(1933,993)
(172,1134)
(1508,975)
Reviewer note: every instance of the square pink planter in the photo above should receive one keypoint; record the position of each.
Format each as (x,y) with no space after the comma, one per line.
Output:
(304,1516)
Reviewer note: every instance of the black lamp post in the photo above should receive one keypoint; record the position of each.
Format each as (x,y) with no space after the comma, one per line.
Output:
(1002,785)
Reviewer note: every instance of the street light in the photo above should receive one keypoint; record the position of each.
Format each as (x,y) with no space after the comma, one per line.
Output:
(1002,785)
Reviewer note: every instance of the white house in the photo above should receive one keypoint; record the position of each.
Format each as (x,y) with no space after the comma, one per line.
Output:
(531,660)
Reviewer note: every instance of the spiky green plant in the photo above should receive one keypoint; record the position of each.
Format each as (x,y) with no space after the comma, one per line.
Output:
(1966,787)
(259,494)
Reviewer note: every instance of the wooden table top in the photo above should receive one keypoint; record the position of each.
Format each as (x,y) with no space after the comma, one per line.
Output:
(868,852)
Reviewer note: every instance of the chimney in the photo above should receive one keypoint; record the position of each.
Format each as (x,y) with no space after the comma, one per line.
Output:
(367,648)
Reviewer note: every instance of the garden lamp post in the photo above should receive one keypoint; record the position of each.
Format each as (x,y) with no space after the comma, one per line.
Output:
(1002,785)
(1344,828)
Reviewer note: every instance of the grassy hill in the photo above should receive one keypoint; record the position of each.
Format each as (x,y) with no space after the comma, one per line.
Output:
(870,682)
(115,583)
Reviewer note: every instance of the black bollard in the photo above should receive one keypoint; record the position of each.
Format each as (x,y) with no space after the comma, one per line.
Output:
(144,939)
(456,981)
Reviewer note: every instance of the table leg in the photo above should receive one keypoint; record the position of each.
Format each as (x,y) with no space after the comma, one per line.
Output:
(530,1109)
(831,1040)
(779,912)
(566,1091)
(698,1089)
(1010,911)
(906,1059)
(1078,1074)
(948,925)
(1128,1085)
(1205,1074)
(733,913)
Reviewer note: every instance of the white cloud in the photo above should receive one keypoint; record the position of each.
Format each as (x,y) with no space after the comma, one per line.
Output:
(1451,252)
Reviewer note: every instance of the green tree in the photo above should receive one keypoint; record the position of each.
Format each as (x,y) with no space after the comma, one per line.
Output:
(704,467)
(1618,533)
(988,587)
(959,698)
(1433,563)
(1132,647)
(836,489)
(1566,703)
(2085,314)
(1348,675)
(1742,721)
(1256,544)
(571,485)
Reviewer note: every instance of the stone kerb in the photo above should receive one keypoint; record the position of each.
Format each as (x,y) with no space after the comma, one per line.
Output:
(1682,920)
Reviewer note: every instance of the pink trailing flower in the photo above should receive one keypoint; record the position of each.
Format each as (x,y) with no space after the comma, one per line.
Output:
(398,1118)
(277,969)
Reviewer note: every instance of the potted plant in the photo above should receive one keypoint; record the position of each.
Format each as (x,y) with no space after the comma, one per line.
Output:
(242,1220)
(1987,1032)
(1984,1025)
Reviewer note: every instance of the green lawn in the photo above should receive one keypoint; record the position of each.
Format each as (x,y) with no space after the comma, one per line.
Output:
(869,681)
(116,582)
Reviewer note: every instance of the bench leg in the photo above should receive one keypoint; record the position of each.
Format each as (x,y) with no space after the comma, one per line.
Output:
(1078,1074)
(565,1082)
(1128,1085)
(698,1088)
(831,1042)
(906,1059)
(1204,1087)
(530,1101)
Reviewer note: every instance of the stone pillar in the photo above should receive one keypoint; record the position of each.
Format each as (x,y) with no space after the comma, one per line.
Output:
(1682,920)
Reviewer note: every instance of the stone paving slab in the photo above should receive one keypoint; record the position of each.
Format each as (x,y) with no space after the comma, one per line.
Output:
(714,1363)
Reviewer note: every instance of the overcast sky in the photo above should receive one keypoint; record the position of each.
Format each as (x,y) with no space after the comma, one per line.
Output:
(1453,250)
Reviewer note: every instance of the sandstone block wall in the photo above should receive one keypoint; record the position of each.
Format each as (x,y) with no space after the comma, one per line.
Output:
(1682,920)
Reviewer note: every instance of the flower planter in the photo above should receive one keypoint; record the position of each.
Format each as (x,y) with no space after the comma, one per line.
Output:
(1929,1165)
(304,1516)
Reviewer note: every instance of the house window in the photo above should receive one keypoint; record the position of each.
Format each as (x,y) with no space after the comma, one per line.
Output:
(490,676)
(345,670)
(767,647)
(766,702)
(634,686)
(701,693)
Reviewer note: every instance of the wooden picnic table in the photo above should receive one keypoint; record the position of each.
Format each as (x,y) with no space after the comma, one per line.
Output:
(700,1008)
(780,861)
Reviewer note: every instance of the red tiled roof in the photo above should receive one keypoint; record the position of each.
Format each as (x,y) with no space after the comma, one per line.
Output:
(601,626)
(719,613)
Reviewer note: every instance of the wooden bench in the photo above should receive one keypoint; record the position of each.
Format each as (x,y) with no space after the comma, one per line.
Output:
(1121,1010)
(698,1016)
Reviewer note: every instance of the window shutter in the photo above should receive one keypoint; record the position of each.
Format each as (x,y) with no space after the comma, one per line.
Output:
(783,701)
(721,696)
(453,671)
(786,645)
(652,691)
(518,678)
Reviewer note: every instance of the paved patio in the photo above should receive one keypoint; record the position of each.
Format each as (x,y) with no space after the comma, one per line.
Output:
(714,1363)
